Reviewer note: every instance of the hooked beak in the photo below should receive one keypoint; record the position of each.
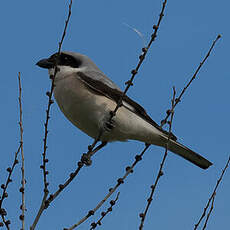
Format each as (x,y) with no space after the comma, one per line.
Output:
(45,63)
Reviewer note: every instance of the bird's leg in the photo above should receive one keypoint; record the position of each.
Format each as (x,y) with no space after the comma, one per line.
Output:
(107,127)
(86,157)
(90,147)
(109,124)
(103,143)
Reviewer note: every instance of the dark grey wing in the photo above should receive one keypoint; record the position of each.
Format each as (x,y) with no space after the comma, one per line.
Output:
(100,76)
(115,94)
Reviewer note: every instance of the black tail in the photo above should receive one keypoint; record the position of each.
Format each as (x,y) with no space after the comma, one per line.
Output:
(188,154)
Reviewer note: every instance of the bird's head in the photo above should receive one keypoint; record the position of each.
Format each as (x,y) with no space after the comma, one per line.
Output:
(66,63)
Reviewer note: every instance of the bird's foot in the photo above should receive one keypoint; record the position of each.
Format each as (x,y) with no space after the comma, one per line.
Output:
(109,125)
(86,159)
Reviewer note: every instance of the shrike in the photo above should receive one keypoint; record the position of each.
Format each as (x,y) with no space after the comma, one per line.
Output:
(86,96)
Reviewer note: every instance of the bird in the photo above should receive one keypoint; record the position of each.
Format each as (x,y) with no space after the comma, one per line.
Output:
(86,96)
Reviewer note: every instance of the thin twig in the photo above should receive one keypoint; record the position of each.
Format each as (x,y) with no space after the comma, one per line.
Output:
(129,83)
(163,122)
(103,214)
(160,172)
(72,175)
(23,181)
(50,102)
(213,194)
(6,222)
(4,187)
(209,213)
(120,181)
(178,99)
(10,170)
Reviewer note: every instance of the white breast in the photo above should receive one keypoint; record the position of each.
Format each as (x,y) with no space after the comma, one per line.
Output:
(89,112)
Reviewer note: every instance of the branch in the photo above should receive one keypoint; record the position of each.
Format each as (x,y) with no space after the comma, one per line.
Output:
(72,175)
(10,170)
(212,195)
(23,181)
(103,214)
(209,213)
(160,172)
(50,102)
(170,112)
(177,100)
(129,83)
(120,181)
(4,187)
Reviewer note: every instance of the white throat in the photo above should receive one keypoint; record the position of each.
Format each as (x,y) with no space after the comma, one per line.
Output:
(64,71)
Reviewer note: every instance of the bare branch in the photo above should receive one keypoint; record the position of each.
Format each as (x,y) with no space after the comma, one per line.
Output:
(50,102)
(73,174)
(120,181)
(160,172)
(23,181)
(163,122)
(212,195)
(6,222)
(10,170)
(178,99)
(103,214)
(209,213)
(4,187)
(129,83)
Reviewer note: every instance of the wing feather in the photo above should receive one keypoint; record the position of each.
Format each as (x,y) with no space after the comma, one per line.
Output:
(115,94)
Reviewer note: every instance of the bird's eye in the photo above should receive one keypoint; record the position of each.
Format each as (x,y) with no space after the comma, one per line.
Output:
(68,60)
(65,60)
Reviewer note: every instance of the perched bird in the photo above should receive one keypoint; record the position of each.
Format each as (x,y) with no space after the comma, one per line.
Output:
(86,96)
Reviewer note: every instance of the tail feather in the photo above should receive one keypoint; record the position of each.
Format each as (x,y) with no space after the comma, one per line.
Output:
(188,154)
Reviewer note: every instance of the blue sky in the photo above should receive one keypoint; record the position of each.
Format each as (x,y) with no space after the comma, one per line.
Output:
(31,30)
